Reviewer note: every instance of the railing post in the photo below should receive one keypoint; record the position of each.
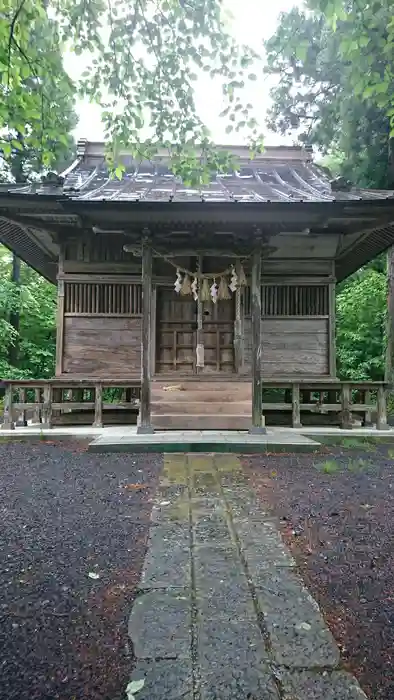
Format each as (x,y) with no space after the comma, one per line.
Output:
(98,407)
(381,409)
(23,414)
(37,411)
(47,408)
(8,423)
(346,422)
(296,418)
(367,414)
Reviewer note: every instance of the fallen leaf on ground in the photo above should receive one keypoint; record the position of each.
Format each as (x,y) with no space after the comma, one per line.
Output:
(134,687)
(135,486)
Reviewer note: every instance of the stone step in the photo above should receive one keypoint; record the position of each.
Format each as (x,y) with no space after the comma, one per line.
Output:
(191,407)
(182,421)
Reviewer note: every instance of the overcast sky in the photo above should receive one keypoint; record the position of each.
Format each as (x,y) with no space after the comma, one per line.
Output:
(254,21)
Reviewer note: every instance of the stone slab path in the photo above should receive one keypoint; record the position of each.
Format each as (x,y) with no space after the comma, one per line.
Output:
(222,441)
(222,613)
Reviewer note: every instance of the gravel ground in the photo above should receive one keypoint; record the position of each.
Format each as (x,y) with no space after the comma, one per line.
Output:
(65,513)
(337,515)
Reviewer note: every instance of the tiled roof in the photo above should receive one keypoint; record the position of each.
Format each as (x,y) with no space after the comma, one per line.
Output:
(32,215)
(255,182)
(278,175)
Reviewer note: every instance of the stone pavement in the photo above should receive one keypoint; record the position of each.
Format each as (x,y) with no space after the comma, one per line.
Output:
(227,441)
(222,613)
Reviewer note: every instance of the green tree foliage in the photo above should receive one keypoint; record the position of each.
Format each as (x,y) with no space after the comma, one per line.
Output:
(36,117)
(36,95)
(316,101)
(35,300)
(144,57)
(361,314)
(318,98)
(365,34)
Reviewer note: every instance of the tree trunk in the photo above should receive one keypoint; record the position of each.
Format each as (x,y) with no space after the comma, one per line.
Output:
(14,314)
(389,368)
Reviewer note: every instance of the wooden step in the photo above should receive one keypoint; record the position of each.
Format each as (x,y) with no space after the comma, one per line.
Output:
(187,397)
(201,405)
(182,421)
(233,408)
(187,393)
(201,385)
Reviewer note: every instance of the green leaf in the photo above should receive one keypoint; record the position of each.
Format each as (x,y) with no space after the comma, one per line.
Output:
(382,88)
(6,148)
(64,139)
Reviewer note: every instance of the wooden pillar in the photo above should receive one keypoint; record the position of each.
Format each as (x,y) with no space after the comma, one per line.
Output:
(98,406)
(37,410)
(60,317)
(381,409)
(346,422)
(145,425)
(238,323)
(296,412)
(389,368)
(368,414)
(257,407)
(332,351)
(8,422)
(22,420)
(200,330)
(153,331)
(47,407)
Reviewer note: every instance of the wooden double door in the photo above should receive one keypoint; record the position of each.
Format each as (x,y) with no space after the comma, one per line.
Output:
(176,335)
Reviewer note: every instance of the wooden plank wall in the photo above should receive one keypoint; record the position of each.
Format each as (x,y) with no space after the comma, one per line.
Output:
(290,347)
(104,347)
(102,328)
(295,330)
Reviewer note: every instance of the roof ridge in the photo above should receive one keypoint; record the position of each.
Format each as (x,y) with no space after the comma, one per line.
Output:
(96,149)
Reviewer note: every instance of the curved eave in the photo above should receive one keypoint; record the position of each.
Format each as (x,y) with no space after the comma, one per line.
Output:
(18,240)
(22,239)
(372,245)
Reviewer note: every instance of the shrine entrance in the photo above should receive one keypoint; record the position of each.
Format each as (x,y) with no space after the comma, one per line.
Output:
(176,335)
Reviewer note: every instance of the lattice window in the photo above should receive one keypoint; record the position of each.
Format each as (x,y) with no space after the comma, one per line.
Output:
(89,299)
(291,300)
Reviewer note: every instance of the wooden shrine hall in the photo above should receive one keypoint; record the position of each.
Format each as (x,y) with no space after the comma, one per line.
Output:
(200,308)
